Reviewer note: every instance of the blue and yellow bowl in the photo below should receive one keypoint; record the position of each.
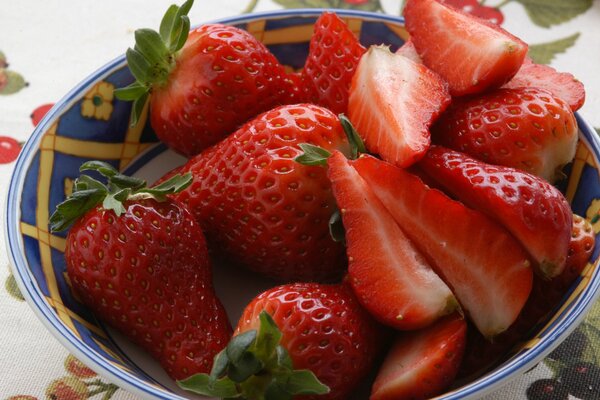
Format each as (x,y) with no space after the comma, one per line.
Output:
(90,123)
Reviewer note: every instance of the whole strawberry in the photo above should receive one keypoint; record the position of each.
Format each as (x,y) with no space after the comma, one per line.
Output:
(204,85)
(322,331)
(263,209)
(332,60)
(139,261)
(523,128)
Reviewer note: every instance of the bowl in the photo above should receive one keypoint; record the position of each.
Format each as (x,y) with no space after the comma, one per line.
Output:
(90,123)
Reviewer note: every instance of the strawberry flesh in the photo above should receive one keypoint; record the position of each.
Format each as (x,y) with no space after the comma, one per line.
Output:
(409,51)
(422,364)
(534,211)
(393,102)
(561,84)
(389,276)
(470,53)
(487,269)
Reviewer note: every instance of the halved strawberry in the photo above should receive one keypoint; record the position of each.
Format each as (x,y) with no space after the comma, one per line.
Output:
(332,59)
(422,364)
(393,102)
(471,53)
(561,84)
(534,211)
(408,50)
(487,269)
(581,247)
(389,276)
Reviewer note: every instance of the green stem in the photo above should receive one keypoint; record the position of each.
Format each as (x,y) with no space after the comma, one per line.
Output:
(110,392)
(250,7)
(97,382)
(95,392)
(505,2)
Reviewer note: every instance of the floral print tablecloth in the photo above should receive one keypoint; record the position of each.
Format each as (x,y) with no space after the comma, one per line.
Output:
(46,47)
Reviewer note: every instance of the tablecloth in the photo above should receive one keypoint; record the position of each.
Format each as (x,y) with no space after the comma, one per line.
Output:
(47,47)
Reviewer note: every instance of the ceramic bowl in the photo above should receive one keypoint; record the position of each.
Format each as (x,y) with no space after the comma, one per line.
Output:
(89,123)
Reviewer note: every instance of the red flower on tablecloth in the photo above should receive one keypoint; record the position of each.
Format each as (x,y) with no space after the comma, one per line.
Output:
(9,149)
(77,368)
(67,388)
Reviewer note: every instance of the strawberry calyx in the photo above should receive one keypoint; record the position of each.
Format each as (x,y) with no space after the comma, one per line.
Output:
(89,193)
(255,366)
(154,55)
(315,155)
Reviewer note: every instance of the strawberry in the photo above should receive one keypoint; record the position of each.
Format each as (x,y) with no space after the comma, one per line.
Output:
(319,330)
(408,50)
(332,59)
(487,269)
(534,211)
(263,209)
(139,261)
(471,53)
(393,102)
(581,247)
(201,86)
(524,128)
(422,364)
(561,84)
(388,274)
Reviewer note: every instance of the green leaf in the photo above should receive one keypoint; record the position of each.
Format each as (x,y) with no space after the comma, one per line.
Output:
(313,155)
(239,345)
(131,92)
(12,288)
(85,182)
(244,367)
(304,382)
(75,206)
(114,201)
(268,337)
(138,107)
(181,34)
(102,167)
(204,385)
(166,24)
(357,146)
(149,43)
(367,5)
(121,181)
(546,13)
(591,352)
(276,391)
(220,364)
(283,358)
(175,184)
(544,53)
(138,65)
(336,227)
(13,82)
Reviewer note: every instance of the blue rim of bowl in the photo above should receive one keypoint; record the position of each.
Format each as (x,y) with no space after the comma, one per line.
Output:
(134,384)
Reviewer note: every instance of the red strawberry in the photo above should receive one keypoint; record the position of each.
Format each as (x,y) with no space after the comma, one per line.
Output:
(408,50)
(534,211)
(389,276)
(525,128)
(422,364)
(322,331)
(393,102)
(471,53)
(139,261)
(561,84)
(332,59)
(261,207)
(581,247)
(487,269)
(203,88)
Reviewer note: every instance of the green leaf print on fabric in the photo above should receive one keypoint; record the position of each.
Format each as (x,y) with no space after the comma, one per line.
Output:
(546,13)
(544,53)
(10,81)
(366,5)
(11,287)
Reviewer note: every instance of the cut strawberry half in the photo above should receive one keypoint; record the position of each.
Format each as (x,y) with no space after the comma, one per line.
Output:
(389,276)
(408,50)
(471,53)
(534,211)
(393,102)
(422,364)
(561,84)
(487,269)
(332,59)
